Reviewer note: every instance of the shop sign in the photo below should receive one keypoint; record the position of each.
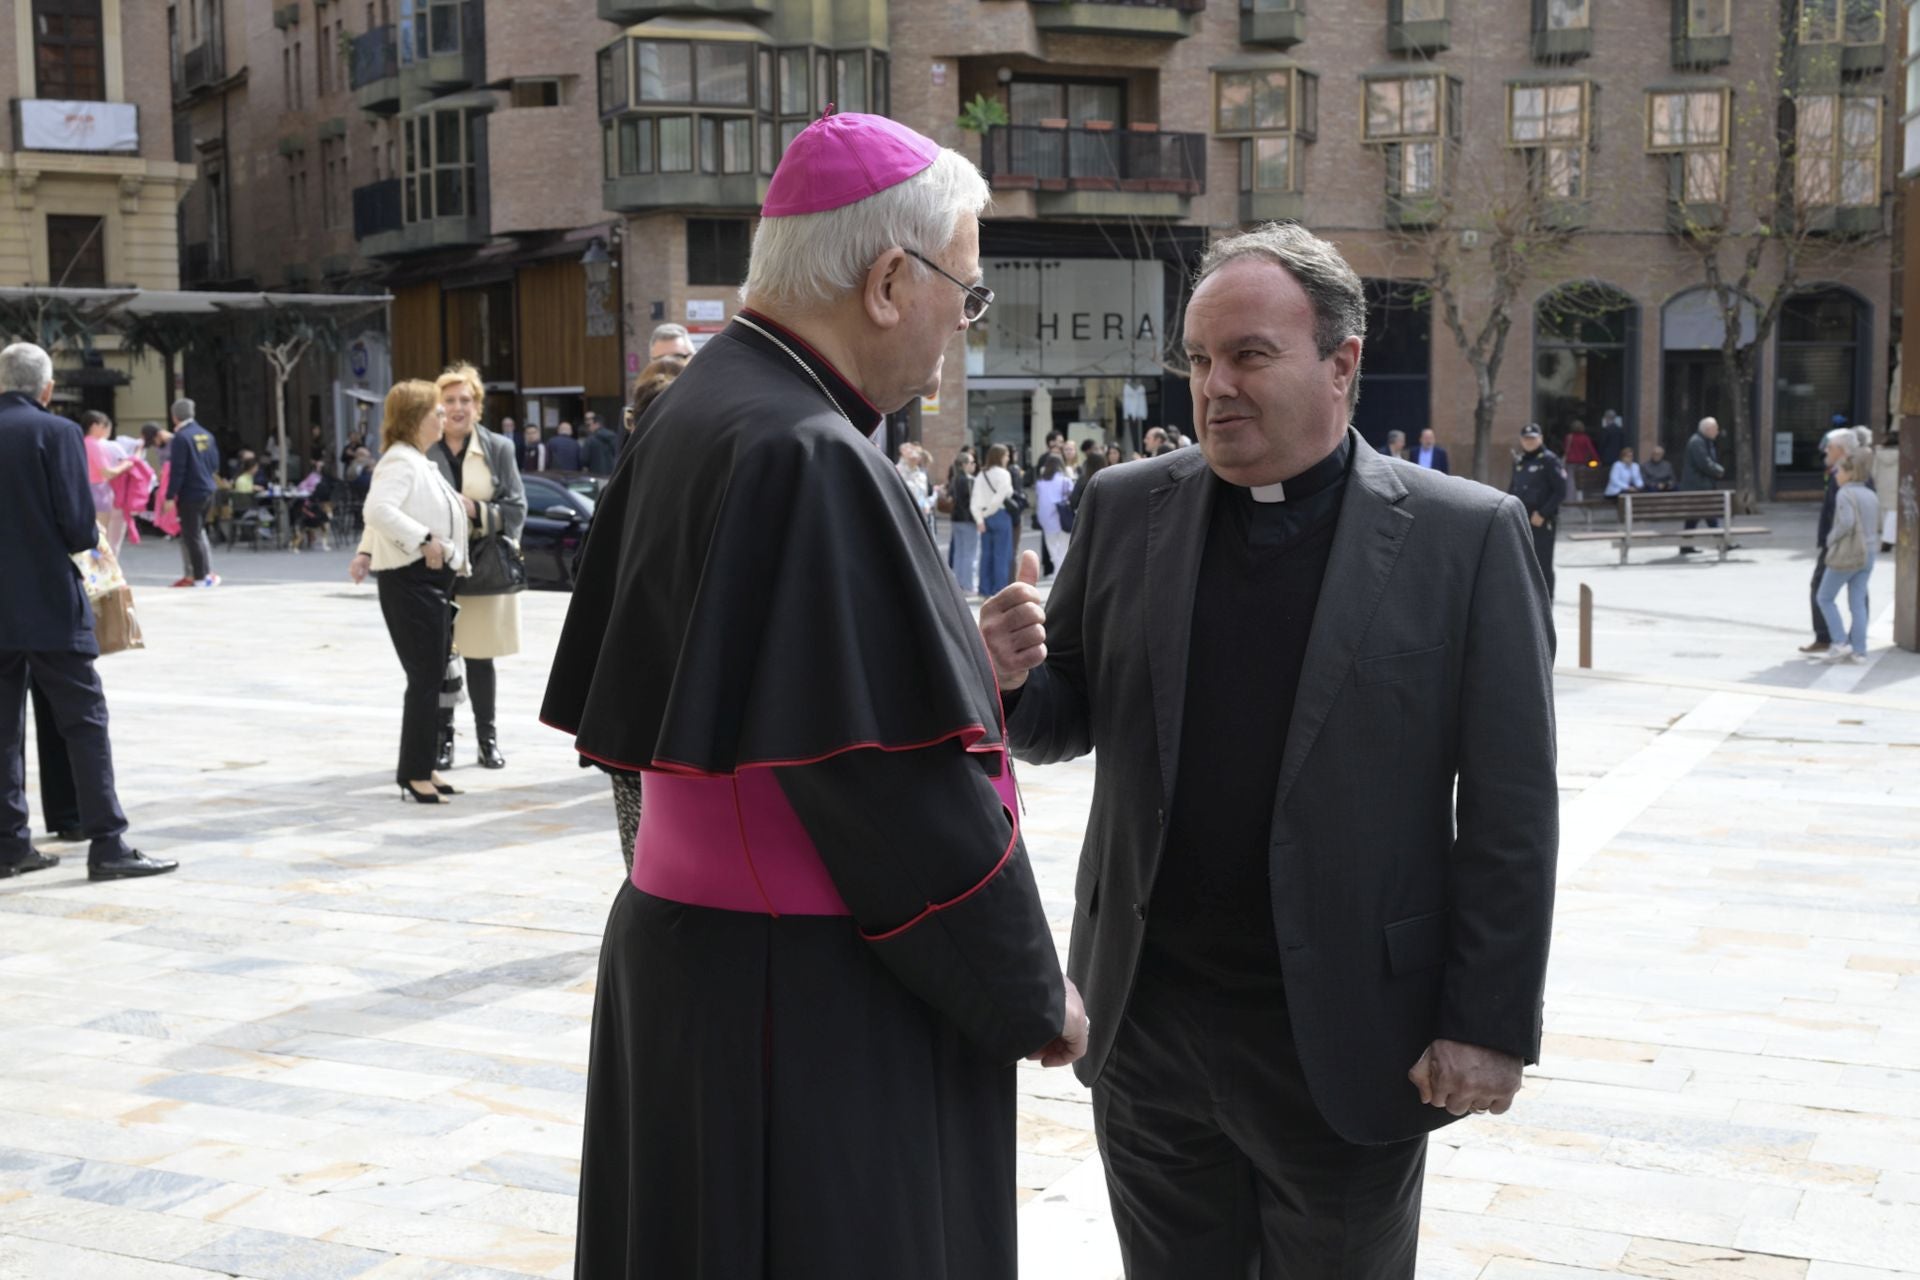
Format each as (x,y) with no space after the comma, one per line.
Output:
(1072,317)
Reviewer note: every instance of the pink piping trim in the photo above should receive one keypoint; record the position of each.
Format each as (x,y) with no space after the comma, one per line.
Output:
(972,734)
(933,908)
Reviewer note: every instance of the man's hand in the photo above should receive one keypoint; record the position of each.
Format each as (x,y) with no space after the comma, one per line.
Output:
(1537,519)
(1014,626)
(1459,1078)
(357,568)
(1071,1044)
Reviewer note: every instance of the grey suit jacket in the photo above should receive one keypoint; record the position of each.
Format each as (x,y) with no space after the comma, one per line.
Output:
(1405,910)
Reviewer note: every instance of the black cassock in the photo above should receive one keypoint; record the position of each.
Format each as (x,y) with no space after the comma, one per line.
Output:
(792,1094)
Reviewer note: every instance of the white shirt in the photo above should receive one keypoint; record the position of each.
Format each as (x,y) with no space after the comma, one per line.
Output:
(1624,476)
(991,489)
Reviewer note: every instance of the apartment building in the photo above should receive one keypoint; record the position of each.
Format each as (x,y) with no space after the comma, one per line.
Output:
(1135,133)
(427,148)
(89,188)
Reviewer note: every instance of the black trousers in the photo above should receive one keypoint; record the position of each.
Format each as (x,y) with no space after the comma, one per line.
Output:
(1220,1167)
(59,801)
(1543,537)
(482,689)
(1820,632)
(196,553)
(417,603)
(78,709)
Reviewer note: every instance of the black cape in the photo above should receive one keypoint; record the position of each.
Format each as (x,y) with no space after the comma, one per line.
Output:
(800,1096)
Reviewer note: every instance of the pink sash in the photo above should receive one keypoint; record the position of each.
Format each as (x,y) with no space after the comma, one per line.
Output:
(733,843)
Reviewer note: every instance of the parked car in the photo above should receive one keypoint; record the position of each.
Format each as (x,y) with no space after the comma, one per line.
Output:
(584,483)
(557,521)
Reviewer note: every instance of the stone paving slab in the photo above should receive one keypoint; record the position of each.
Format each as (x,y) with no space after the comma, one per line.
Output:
(348,1038)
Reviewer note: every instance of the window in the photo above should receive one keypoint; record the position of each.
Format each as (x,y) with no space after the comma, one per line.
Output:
(76,251)
(286,77)
(69,57)
(1854,22)
(1708,19)
(1416,119)
(1692,125)
(850,73)
(298,67)
(536,93)
(439,156)
(666,71)
(1552,122)
(1910,127)
(327,146)
(613,77)
(793,82)
(723,74)
(441,34)
(320,64)
(717,251)
(1423,10)
(676,144)
(1567,15)
(1837,151)
(1273,110)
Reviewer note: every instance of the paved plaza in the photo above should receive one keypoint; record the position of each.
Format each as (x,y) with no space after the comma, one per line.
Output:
(347,1038)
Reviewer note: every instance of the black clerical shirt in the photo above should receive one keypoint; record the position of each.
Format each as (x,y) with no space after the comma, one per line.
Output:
(1210,918)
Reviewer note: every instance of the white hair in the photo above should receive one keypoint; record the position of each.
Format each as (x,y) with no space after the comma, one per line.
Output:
(1863,437)
(813,258)
(25,367)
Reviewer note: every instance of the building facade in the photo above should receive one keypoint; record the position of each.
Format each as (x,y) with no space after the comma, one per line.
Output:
(89,186)
(1121,138)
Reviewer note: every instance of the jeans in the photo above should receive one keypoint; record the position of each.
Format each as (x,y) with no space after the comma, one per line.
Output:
(1820,633)
(996,553)
(417,604)
(196,553)
(1856,585)
(963,555)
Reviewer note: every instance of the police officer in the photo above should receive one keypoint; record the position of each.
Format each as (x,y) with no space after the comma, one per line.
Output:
(1540,482)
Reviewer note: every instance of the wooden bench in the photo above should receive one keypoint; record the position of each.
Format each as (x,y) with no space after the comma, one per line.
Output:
(1700,504)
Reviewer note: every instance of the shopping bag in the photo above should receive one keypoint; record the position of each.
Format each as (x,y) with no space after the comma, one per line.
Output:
(115,625)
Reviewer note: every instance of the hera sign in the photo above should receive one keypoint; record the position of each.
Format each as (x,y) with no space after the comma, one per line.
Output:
(1073,317)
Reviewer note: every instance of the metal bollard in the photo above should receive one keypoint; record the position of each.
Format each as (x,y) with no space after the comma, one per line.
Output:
(1586,627)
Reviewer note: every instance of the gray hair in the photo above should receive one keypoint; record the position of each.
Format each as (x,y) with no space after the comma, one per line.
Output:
(182,410)
(669,333)
(812,258)
(1862,437)
(25,367)
(1339,301)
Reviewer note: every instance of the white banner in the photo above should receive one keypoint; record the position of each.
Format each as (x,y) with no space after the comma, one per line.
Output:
(46,125)
(1071,317)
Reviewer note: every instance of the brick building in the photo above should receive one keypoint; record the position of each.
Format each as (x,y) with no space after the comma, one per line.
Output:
(89,189)
(1137,132)
(428,148)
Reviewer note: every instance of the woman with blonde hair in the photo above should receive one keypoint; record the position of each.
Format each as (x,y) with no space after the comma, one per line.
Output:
(416,547)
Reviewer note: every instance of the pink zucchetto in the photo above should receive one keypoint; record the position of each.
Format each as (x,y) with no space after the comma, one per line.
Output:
(842,159)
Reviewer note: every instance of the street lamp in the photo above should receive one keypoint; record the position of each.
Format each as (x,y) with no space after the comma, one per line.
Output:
(597,262)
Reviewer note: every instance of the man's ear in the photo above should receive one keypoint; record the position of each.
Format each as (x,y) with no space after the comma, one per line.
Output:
(880,294)
(1346,363)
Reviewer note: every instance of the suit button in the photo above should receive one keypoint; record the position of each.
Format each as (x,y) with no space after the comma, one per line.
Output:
(1139,911)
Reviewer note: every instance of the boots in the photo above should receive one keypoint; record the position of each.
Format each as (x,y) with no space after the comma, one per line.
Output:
(445,759)
(490,757)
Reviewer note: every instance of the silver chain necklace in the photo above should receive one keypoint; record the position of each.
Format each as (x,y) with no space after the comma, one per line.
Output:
(804,366)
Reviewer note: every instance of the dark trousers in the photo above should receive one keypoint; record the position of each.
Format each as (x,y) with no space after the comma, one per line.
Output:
(1219,1166)
(417,603)
(1820,630)
(59,801)
(196,553)
(1543,552)
(78,708)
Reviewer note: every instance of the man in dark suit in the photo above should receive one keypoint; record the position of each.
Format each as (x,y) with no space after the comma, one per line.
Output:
(1292,975)
(1702,471)
(1429,454)
(563,451)
(193,460)
(46,629)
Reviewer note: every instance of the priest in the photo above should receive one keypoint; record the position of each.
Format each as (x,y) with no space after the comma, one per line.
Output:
(831,953)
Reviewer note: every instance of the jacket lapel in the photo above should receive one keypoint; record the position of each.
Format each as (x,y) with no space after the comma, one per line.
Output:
(1177,515)
(1366,543)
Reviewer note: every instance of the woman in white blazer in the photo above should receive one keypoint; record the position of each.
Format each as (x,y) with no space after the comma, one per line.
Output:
(417,544)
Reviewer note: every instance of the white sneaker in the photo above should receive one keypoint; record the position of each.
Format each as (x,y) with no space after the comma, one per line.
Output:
(1840,656)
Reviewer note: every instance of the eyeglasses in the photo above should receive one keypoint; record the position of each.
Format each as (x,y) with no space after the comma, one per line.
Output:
(979,297)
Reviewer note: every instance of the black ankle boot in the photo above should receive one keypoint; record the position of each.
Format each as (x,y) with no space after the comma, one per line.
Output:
(490,757)
(445,759)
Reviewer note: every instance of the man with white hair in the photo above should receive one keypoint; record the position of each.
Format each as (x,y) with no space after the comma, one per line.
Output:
(669,340)
(830,952)
(46,626)
(192,463)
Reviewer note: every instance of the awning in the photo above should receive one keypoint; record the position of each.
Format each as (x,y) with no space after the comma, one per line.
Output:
(142,302)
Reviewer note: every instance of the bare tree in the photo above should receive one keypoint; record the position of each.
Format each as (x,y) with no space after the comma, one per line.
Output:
(1787,198)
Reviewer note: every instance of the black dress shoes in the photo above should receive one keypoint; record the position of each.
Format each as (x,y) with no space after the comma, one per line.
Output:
(34,861)
(490,757)
(128,864)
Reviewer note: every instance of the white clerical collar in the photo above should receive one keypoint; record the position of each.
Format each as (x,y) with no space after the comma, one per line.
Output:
(1269,492)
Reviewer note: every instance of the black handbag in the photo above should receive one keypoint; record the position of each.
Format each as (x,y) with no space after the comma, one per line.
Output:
(498,568)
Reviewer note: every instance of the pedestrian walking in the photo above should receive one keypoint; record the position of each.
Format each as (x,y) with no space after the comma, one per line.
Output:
(1835,447)
(963,546)
(601,449)
(563,451)
(802,1058)
(417,547)
(1293,973)
(106,463)
(193,462)
(991,491)
(1701,472)
(1429,454)
(1540,482)
(1051,489)
(46,626)
(1850,548)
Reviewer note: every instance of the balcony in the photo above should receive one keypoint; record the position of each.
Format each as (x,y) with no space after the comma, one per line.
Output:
(691,192)
(1419,32)
(200,68)
(1272,206)
(1098,172)
(375,71)
(1144,19)
(376,208)
(1275,24)
(382,231)
(1414,213)
(1847,222)
(628,12)
(452,49)
(40,124)
(1690,218)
